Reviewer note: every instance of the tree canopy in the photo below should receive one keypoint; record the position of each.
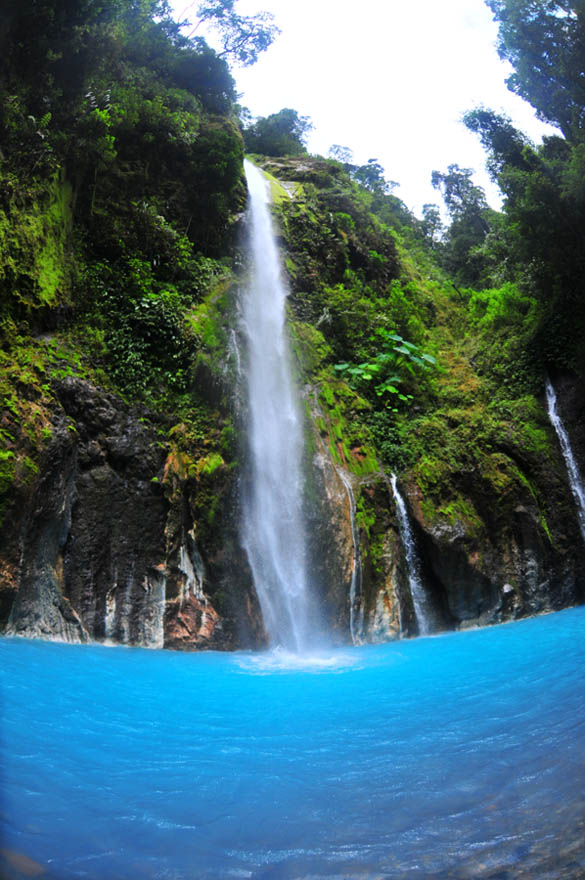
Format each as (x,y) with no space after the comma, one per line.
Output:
(243,37)
(280,134)
(539,240)
(470,224)
(544,40)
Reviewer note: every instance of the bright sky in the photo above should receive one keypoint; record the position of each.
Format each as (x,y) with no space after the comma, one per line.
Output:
(390,79)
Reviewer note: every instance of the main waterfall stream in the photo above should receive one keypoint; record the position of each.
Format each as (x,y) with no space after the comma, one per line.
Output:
(455,756)
(272,523)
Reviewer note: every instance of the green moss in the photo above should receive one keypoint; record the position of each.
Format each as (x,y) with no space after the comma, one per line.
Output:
(498,471)
(7,469)
(454,510)
(30,468)
(365,516)
(310,346)
(209,324)
(430,473)
(212,509)
(326,394)
(348,438)
(544,526)
(278,193)
(26,404)
(36,267)
(205,322)
(209,463)
(376,552)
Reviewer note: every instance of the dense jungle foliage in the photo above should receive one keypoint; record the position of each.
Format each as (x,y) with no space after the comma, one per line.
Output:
(120,182)
(121,186)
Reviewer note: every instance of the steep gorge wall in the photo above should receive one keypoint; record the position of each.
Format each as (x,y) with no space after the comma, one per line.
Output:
(484,480)
(127,530)
(510,564)
(105,545)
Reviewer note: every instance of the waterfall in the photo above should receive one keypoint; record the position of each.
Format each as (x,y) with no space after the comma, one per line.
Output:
(273,532)
(234,349)
(420,600)
(356,609)
(575,480)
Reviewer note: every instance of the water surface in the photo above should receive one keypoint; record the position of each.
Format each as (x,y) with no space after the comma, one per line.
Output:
(460,755)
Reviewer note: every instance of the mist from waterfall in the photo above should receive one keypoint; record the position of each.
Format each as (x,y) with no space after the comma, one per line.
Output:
(575,481)
(273,530)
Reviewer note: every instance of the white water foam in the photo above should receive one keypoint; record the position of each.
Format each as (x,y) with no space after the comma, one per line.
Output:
(281,660)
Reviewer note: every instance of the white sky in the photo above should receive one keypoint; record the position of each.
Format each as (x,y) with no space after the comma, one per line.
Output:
(390,79)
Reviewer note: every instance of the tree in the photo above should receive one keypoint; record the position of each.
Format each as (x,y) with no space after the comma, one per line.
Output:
(503,142)
(461,196)
(545,203)
(199,69)
(281,134)
(341,154)
(431,225)
(469,212)
(544,40)
(243,37)
(371,177)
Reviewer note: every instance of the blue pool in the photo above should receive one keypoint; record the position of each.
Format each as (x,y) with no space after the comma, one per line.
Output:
(459,756)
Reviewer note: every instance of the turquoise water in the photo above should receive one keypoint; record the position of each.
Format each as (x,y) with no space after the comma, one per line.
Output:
(455,756)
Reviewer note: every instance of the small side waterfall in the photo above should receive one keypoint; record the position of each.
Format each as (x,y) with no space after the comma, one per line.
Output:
(575,480)
(273,531)
(356,608)
(420,600)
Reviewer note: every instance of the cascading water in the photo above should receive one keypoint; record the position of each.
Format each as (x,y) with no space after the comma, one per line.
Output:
(356,608)
(420,600)
(273,532)
(575,480)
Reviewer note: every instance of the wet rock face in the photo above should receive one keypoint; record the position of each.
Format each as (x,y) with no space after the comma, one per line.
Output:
(106,547)
(330,547)
(105,554)
(388,607)
(513,568)
(116,539)
(519,558)
(41,608)
(383,607)
(571,407)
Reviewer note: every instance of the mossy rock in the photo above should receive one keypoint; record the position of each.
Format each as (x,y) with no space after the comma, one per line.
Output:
(36,264)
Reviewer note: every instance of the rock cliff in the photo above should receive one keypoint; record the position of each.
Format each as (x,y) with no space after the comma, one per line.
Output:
(107,543)
(122,522)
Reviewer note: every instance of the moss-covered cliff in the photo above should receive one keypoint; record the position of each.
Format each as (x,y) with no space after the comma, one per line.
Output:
(121,188)
(407,374)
